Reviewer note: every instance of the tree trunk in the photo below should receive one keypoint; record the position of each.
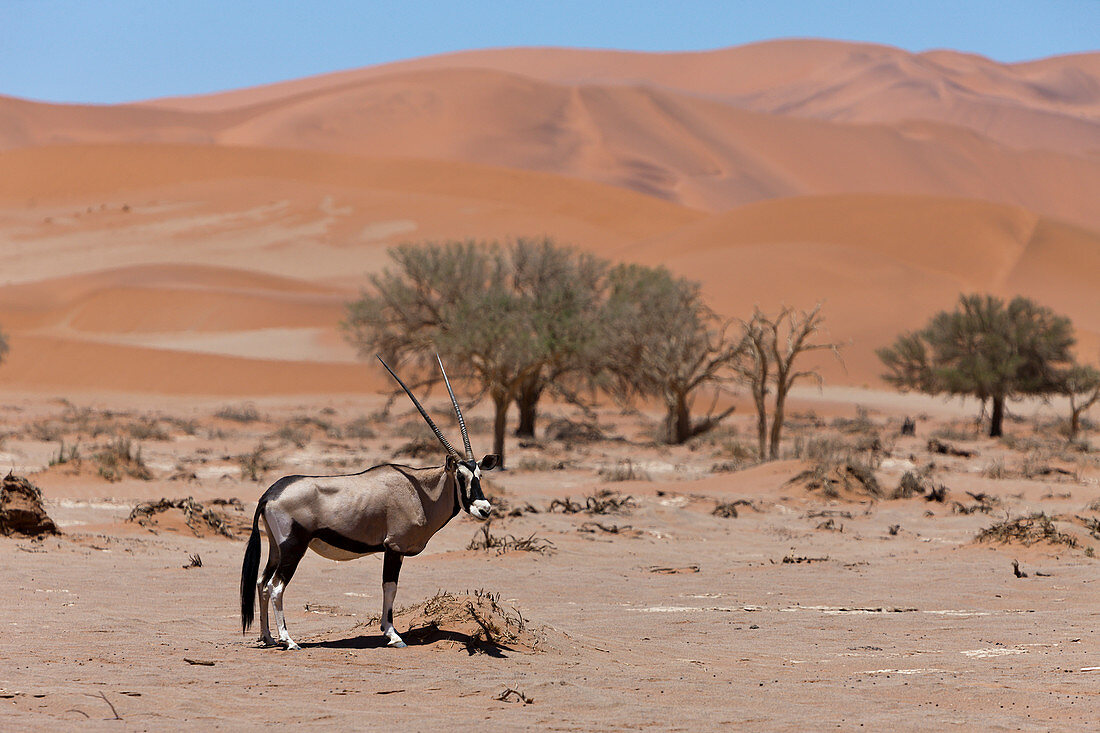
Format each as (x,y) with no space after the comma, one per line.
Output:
(760,398)
(997,417)
(500,419)
(678,422)
(1074,421)
(777,422)
(528,403)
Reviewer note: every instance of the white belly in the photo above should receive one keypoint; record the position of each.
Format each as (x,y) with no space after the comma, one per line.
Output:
(326,550)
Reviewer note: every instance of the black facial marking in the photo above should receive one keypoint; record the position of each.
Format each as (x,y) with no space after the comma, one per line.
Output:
(340,542)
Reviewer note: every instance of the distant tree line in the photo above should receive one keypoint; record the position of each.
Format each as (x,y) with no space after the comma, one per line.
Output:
(531,318)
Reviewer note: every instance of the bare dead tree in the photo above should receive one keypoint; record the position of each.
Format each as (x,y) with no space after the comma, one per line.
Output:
(771,347)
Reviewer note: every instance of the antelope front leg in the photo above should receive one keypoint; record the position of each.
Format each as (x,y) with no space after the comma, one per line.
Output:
(391,568)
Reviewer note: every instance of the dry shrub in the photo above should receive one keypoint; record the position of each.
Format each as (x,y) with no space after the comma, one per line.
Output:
(255,464)
(539,465)
(983,504)
(21,510)
(475,620)
(119,460)
(246,413)
(201,520)
(601,502)
(625,470)
(147,428)
(485,540)
(837,480)
(293,435)
(1037,527)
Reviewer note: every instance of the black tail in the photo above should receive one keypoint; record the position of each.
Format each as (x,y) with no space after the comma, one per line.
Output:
(250,570)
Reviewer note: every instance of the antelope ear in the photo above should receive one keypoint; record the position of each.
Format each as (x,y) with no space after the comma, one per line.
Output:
(452,463)
(489,462)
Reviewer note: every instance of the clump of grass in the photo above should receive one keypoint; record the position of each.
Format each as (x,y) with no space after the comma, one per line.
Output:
(291,434)
(120,459)
(996,469)
(256,463)
(246,413)
(486,540)
(71,455)
(147,428)
(624,471)
(1027,530)
(861,423)
(956,431)
(538,465)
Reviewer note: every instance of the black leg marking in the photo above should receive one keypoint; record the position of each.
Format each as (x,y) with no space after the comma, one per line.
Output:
(291,552)
(391,566)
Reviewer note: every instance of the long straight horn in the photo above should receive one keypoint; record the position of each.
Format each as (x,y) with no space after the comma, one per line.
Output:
(431,423)
(458,412)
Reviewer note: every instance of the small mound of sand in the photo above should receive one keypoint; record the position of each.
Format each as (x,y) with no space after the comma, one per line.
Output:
(21,510)
(188,515)
(475,620)
(839,480)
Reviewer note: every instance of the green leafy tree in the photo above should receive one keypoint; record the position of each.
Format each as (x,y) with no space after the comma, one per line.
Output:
(563,291)
(984,348)
(514,320)
(662,341)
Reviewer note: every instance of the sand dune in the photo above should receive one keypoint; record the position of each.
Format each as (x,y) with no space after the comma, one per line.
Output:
(711,130)
(210,243)
(1051,103)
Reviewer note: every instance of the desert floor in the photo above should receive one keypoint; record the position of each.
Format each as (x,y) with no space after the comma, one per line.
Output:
(810,609)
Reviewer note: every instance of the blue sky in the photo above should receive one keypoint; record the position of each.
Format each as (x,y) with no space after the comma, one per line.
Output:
(109,51)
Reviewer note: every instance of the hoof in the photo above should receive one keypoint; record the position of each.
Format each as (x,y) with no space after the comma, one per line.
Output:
(267,643)
(397,644)
(292,647)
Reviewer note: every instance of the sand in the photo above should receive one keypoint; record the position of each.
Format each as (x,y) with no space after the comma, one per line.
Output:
(802,611)
(173,267)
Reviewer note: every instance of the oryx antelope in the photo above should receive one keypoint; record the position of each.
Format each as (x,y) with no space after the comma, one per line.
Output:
(390,508)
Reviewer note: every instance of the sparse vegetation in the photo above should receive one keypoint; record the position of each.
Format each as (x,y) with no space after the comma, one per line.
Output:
(246,413)
(624,470)
(255,464)
(601,502)
(1027,530)
(119,459)
(486,540)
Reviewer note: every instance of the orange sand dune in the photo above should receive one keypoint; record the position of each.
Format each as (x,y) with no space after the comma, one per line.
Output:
(1052,103)
(207,245)
(45,364)
(710,130)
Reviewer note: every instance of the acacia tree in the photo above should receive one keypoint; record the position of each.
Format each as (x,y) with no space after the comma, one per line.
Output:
(562,290)
(509,319)
(770,347)
(985,349)
(661,340)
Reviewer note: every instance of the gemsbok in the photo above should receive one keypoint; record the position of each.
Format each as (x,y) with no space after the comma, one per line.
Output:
(389,508)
